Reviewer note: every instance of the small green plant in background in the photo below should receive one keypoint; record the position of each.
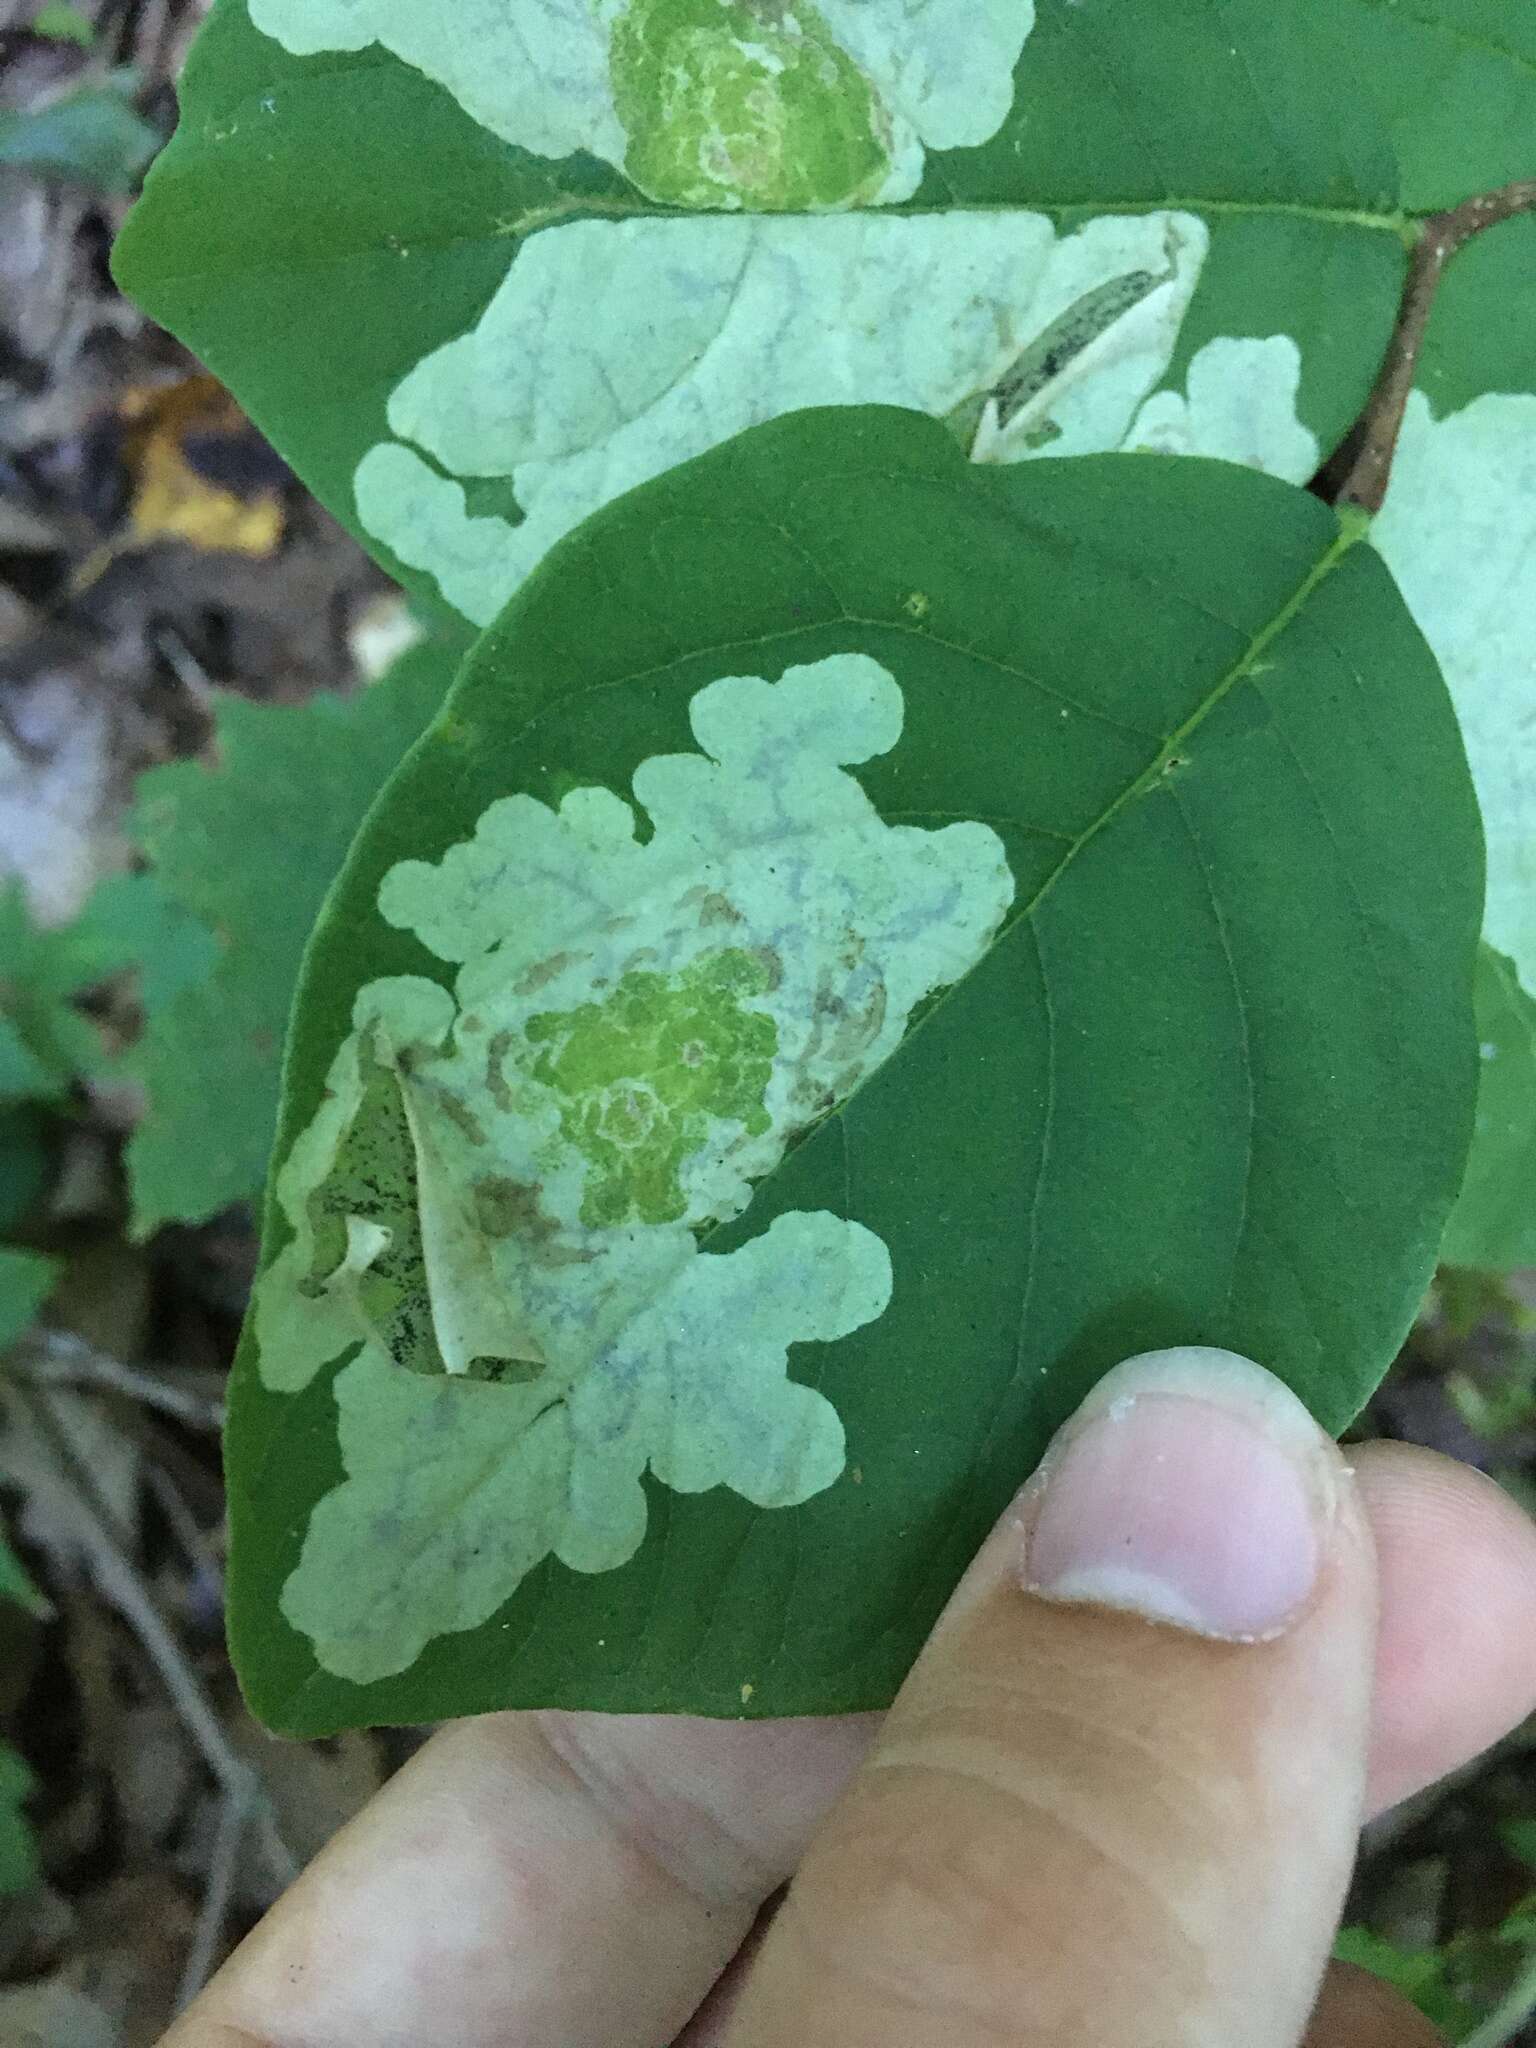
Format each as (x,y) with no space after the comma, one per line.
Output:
(26,1280)
(92,134)
(245,851)
(18,1851)
(1478,1986)
(207,963)
(63,24)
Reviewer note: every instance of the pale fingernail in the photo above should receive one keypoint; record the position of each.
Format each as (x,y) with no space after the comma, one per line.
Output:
(1191,1488)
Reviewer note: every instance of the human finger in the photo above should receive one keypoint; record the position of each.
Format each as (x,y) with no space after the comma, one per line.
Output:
(1456,1655)
(571,1878)
(1074,1825)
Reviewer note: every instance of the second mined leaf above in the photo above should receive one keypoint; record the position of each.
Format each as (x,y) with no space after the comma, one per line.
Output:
(871,940)
(982,211)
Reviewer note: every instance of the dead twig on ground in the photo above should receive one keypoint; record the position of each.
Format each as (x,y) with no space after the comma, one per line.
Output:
(207,1937)
(55,1358)
(184,1525)
(121,1583)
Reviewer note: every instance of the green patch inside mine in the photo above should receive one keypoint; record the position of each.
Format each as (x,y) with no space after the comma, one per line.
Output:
(728,104)
(373,1183)
(642,1073)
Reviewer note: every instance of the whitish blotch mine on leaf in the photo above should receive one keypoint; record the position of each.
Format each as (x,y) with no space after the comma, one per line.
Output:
(1238,405)
(504,1195)
(1458,531)
(761,104)
(1029,338)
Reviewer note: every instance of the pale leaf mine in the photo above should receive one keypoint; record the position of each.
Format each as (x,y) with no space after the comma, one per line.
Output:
(502,1197)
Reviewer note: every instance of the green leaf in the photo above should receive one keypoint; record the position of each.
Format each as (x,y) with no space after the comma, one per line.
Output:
(248,850)
(1422,1975)
(26,1281)
(133,925)
(16,1586)
(1458,532)
(23,1077)
(92,136)
(1493,1225)
(1210,1081)
(62,24)
(18,1850)
(46,1040)
(23,1162)
(1062,237)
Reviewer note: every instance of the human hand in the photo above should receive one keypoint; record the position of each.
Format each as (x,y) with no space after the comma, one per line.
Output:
(1072,1827)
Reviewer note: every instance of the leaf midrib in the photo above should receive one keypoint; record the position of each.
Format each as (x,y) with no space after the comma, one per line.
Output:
(1401,226)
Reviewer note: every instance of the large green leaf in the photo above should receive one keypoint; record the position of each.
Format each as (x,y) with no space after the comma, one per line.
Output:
(1215,174)
(1210,1081)
(1458,532)
(248,849)
(1494,1222)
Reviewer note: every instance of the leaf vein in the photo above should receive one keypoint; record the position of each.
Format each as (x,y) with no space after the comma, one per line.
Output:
(1245,1040)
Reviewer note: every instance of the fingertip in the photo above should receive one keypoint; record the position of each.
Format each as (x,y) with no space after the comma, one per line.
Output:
(1145,1710)
(1192,1488)
(1456,1665)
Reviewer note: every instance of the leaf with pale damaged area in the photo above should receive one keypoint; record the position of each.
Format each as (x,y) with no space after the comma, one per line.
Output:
(779,135)
(504,1192)
(1027,340)
(705,102)
(1458,532)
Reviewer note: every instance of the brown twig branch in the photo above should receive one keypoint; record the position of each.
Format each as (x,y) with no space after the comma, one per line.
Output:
(1359,473)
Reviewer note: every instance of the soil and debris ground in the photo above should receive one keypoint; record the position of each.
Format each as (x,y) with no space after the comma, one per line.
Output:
(154,553)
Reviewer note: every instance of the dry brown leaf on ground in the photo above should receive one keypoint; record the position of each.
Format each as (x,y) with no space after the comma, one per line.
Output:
(115,1983)
(315,1787)
(132,1938)
(201,473)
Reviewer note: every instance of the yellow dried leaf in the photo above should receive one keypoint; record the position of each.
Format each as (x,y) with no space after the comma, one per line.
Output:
(173,497)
